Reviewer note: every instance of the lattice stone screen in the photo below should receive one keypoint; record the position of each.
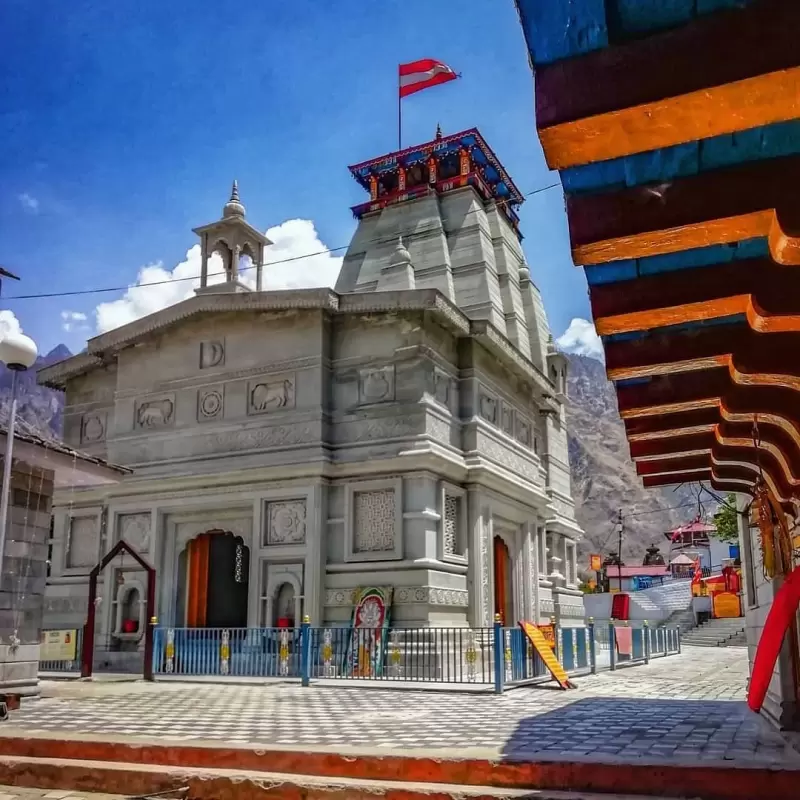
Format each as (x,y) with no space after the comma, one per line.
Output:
(374,521)
(452,506)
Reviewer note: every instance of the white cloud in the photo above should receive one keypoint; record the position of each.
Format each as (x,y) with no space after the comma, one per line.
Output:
(29,203)
(293,238)
(73,320)
(581,338)
(9,324)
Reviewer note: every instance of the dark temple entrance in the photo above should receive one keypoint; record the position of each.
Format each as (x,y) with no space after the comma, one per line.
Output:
(215,569)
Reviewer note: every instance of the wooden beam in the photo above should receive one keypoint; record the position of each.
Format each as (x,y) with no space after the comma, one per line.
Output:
(710,111)
(708,52)
(718,207)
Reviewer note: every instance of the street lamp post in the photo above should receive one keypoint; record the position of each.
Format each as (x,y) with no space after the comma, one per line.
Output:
(19,353)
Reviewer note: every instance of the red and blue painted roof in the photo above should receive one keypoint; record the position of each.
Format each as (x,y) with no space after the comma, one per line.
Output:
(675,127)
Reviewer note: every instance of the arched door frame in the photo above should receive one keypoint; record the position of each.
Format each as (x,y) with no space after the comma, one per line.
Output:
(87,652)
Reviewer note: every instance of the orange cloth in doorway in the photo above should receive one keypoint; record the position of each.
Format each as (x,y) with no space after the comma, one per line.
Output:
(624,637)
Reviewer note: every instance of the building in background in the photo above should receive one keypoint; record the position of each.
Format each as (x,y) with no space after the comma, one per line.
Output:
(405,431)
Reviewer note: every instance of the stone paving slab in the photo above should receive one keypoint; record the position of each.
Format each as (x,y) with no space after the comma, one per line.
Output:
(689,708)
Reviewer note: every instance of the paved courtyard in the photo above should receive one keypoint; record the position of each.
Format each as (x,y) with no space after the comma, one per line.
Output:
(688,707)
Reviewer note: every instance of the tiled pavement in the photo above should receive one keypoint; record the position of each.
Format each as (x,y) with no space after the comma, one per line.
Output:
(688,707)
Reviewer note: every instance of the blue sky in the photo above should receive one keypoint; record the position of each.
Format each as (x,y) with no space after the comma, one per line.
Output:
(123,124)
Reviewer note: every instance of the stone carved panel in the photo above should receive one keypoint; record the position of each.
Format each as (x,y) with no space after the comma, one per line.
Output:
(135,530)
(210,403)
(450,523)
(93,427)
(507,419)
(487,407)
(83,542)
(271,394)
(218,442)
(155,413)
(212,353)
(374,521)
(523,431)
(404,595)
(285,522)
(373,430)
(376,385)
(442,387)
(485,588)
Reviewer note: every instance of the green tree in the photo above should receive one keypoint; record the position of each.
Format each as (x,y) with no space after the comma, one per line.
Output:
(725,521)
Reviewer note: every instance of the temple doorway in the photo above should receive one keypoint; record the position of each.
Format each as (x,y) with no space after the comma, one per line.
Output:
(502,582)
(213,579)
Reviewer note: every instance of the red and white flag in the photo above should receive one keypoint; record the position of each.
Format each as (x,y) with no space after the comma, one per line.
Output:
(419,75)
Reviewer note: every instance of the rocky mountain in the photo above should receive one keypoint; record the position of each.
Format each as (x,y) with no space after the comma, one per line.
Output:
(39,407)
(604,479)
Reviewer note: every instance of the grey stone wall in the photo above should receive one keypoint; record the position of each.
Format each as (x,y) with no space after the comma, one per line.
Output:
(24,576)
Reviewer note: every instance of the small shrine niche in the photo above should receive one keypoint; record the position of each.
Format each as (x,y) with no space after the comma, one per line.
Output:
(442,165)
(239,245)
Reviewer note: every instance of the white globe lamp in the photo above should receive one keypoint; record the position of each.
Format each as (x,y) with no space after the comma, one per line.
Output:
(18,352)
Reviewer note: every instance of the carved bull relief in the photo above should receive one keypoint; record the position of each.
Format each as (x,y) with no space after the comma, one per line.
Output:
(270,395)
(156,413)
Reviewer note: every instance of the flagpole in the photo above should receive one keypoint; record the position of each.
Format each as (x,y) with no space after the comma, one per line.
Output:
(399,114)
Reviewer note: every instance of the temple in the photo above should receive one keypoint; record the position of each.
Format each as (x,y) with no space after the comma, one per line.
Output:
(677,137)
(403,435)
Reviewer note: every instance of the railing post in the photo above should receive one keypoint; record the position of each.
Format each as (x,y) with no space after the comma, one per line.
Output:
(305,651)
(592,647)
(499,655)
(678,637)
(646,634)
(612,646)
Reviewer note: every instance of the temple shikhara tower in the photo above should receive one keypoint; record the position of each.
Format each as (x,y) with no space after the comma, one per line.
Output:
(404,433)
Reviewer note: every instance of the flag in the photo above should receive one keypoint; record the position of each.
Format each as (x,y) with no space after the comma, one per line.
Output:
(698,573)
(419,75)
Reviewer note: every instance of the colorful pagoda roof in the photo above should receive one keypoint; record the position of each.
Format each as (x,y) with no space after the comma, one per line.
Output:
(677,137)
(493,172)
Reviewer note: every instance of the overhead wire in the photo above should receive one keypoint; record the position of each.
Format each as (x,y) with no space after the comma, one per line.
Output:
(324,251)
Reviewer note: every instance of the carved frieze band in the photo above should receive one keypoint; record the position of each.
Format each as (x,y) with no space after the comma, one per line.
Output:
(504,416)
(428,595)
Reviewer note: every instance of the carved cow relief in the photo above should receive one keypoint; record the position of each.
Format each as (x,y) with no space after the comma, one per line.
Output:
(274,394)
(156,413)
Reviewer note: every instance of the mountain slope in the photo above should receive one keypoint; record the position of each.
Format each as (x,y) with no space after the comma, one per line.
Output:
(604,478)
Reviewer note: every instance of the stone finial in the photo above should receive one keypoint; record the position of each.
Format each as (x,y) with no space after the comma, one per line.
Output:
(234,206)
(438,131)
(551,345)
(401,255)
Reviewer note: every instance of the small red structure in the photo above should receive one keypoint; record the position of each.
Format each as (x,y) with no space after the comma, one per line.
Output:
(87,654)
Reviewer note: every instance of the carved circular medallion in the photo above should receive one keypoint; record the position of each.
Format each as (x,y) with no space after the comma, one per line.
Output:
(211,403)
(92,428)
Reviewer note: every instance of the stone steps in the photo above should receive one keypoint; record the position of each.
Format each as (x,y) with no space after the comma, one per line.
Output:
(139,767)
(143,780)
